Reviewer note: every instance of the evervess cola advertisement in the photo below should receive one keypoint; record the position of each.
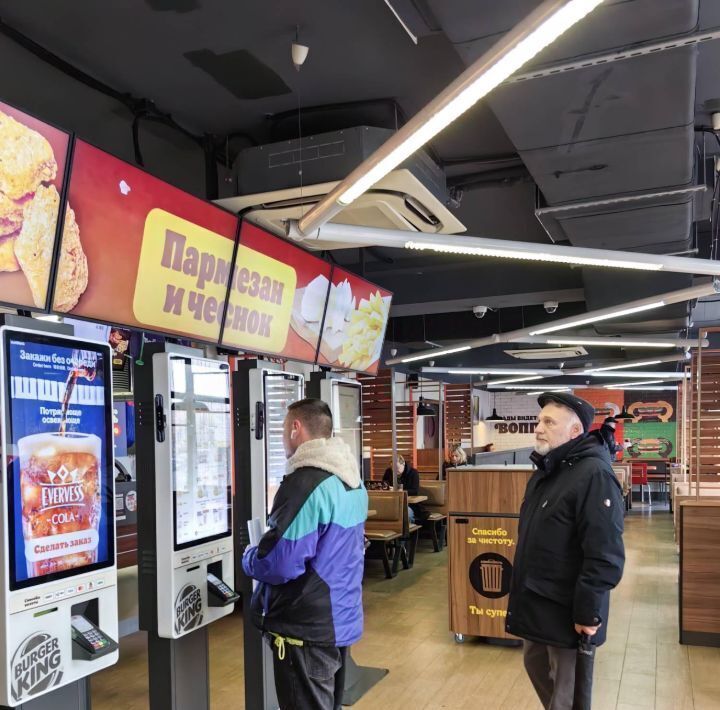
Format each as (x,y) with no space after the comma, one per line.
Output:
(60,446)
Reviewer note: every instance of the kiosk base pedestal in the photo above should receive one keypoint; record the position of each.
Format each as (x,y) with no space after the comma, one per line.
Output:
(179,674)
(359,679)
(74,696)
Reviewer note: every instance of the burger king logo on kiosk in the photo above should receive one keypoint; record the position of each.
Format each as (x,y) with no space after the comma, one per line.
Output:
(36,666)
(188,609)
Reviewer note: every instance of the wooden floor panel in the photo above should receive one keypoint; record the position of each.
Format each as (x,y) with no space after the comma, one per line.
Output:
(406,630)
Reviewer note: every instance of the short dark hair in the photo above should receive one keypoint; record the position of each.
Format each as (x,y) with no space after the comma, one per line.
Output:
(315,416)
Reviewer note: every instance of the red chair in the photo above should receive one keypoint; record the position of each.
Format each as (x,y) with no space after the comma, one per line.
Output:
(640,478)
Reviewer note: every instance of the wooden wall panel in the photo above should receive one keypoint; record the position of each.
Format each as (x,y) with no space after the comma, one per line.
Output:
(458,415)
(377,422)
(700,573)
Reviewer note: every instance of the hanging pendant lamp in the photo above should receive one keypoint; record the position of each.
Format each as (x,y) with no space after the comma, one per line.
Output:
(423,408)
(494,417)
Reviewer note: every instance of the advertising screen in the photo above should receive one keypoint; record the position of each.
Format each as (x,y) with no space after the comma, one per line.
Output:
(138,252)
(355,323)
(200,419)
(277,298)
(33,158)
(58,441)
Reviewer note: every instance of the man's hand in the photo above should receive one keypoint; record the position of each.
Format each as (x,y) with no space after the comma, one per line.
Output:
(588,630)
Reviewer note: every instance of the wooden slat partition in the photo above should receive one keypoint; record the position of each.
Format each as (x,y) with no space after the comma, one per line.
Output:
(709,414)
(458,415)
(377,422)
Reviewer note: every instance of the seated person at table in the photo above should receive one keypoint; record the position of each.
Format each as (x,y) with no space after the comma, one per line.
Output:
(409,478)
(458,457)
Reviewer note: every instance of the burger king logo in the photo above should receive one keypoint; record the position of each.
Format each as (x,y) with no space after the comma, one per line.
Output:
(36,666)
(188,609)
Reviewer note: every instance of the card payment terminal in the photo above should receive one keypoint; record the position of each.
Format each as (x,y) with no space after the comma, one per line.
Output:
(91,640)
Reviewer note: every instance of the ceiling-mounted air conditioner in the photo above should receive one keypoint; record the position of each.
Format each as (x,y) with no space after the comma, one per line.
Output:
(283,181)
(548,353)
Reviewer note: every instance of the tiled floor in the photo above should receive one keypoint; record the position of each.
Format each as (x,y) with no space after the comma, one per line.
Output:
(641,666)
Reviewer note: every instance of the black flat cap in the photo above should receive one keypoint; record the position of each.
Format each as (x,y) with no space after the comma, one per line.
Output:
(610,420)
(584,410)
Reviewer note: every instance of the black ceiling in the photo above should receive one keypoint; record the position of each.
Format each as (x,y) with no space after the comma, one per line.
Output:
(224,68)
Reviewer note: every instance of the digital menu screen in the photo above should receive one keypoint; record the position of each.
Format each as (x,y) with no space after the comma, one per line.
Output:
(58,437)
(200,419)
(355,323)
(138,252)
(277,297)
(33,159)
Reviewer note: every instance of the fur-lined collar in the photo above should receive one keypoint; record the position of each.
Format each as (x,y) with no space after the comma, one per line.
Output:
(332,455)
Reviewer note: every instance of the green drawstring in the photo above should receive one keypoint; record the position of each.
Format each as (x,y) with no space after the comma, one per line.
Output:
(280,642)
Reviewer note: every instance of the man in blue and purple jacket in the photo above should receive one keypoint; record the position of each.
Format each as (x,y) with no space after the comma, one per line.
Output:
(310,562)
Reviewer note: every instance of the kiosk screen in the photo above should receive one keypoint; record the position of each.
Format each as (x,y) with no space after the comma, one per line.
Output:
(200,419)
(347,419)
(58,437)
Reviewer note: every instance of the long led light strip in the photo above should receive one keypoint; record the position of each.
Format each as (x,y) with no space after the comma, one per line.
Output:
(650,389)
(639,375)
(646,363)
(445,351)
(543,35)
(533,256)
(613,343)
(594,319)
(623,385)
(494,383)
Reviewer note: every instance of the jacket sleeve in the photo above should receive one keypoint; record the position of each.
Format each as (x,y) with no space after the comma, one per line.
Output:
(600,530)
(291,539)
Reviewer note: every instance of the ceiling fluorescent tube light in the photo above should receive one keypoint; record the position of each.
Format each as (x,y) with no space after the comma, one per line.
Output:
(511,381)
(517,47)
(623,385)
(556,257)
(539,392)
(614,343)
(651,388)
(594,319)
(460,99)
(638,375)
(519,387)
(647,363)
(436,353)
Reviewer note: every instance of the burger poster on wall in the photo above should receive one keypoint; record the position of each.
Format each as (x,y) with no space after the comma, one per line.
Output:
(33,158)
(138,252)
(355,323)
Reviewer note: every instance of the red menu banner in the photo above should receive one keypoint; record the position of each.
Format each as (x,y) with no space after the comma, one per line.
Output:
(355,323)
(277,297)
(138,252)
(33,158)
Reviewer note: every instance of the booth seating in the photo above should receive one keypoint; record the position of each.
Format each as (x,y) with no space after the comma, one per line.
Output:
(389,530)
(623,474)
(436,506)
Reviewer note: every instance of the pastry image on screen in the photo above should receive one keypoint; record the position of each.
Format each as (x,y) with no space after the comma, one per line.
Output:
(32,166)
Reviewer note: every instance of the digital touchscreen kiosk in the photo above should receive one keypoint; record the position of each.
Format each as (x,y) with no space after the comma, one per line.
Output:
(347,417)
(59,446)
(200,419)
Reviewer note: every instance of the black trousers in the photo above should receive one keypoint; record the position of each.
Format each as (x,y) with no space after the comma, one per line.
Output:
(309,677)
(552,673)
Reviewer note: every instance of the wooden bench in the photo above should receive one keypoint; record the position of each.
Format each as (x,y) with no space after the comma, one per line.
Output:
(389,530)
(437,509)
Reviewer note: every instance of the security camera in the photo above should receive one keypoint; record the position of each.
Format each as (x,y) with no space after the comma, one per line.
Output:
(393,352)
(550,306)
(299,54)
(431,363)
(480,311)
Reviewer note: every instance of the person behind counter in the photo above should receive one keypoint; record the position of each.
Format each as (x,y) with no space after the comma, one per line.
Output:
(606,433)
(569,553)
(409,479)
(458,457)
(310,562)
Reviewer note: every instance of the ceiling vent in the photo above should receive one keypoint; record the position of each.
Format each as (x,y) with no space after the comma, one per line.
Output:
(283,181)
(547,353)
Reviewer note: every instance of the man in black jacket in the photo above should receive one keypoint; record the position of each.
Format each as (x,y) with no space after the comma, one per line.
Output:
(570,551)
